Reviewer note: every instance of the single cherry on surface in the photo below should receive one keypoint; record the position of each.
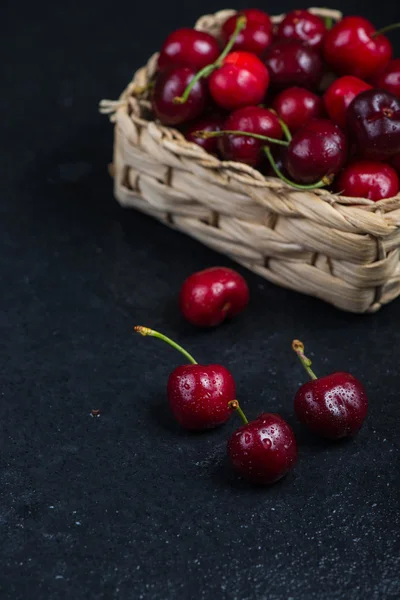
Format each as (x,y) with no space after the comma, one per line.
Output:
(368,179)
(205,124)
(340,94)
(172,83)
(188,48)
(255,37)
(302,26)
(210,296)
(296,106)
(198,395)
(389,80)
(334,406)
(262,451)
(291,63)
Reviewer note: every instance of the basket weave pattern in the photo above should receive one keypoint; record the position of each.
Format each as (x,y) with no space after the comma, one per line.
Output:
(315,242)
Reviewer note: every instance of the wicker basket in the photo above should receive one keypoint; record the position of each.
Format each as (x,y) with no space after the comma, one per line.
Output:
(316,243)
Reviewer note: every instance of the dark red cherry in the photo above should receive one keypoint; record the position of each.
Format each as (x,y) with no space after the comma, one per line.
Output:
(373,121)
(188,48)
(172,83)
(368,179)
(250,119)
(302,26)
(317,150)
(296,106)
(212,123)
(354,47)
(389,80)
(291,63)
(340,94)
(255,37)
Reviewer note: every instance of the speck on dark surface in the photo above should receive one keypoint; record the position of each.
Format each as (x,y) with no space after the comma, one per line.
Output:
(126,505)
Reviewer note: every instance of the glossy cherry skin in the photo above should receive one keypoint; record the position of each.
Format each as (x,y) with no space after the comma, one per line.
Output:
(373,121)
(296,106)
(188,48)
(255,37)
(351,49)
(264,450)
(302,26)
(333,407)
(389,80)
(340,94)
(210,296)
(253,120)
(172,83)
(206,124)
(291,63)
(368,179)
(318,149)
(198,395)
(242,80)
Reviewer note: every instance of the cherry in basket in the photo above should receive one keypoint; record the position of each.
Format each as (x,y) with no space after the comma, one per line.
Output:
(389,80)
(368,179)
(188,48)
(302,26)
(255,37)
(339,96)
(296,106)
(172,83)
(291,63)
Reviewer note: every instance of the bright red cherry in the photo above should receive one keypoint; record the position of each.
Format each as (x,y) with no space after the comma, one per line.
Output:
(212,123)
(334,406)
(354,47)
(242,80)
(296,106)
(210,296)
(368,179)
(264,450)
(302,26)
(198,395)
(291,63)
(255,37)
(172,83)
(188,48)
(389,80)
(340,94)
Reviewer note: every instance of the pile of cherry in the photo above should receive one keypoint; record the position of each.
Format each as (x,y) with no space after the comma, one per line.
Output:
(203,397)
(260,97)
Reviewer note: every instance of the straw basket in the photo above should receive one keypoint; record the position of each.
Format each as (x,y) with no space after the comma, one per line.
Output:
(316,242)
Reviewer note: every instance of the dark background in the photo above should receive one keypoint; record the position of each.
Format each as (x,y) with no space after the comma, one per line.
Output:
(127,505)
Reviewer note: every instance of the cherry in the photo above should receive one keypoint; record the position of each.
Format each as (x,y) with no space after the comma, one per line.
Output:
(264,450)
(368,179)
(373,121)
(395,162)
(354,47)
(389,80)
(188,48)
(172,83)
(198,395)
(302,26)
(334,406)
(212,123)
(291,63)
(210,296)
(296,106)
(255,37)
(340,94)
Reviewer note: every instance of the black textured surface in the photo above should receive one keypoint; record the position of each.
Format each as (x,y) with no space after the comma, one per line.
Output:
(128,506)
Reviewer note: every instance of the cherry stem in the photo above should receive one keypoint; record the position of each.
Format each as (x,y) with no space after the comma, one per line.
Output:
(298,347)
(205,135)
(328,22)
(146,331)
(285,130)
(208,69)
(320,184)
(385,29)
(235,405)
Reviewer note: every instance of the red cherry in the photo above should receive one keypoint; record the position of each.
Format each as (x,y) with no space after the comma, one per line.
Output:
(354,47)
(250,119)
(389,80)
(255,37)
(212,123)
(340,94)
(264,450)
(291,63)
(296,106)
(242,80)
(172,83)
(198,395)
(302,26)
(188,48)
(395,162)
(334,406)
(210,296)
(367,179)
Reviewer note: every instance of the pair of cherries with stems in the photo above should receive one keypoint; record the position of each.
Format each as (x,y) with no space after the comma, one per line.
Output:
(264,450)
